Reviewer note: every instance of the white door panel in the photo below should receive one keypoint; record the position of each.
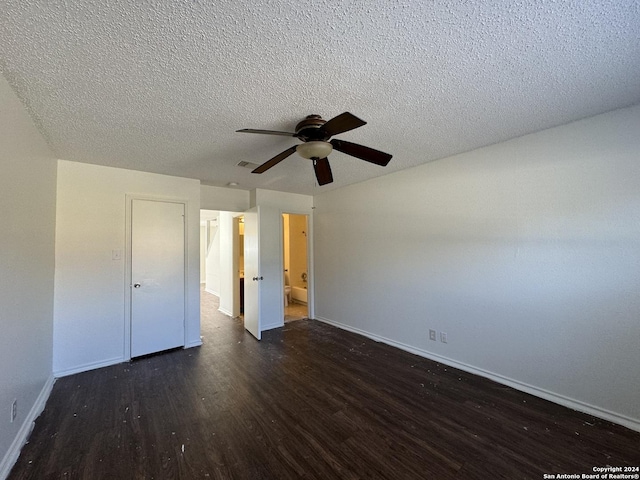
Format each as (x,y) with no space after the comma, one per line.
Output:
(251,273)
(263,287)
(157,276)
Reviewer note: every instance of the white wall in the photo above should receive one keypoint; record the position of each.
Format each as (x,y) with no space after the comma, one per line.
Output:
(526,253)
(285,202)
(89,313)
(27,219)
(203,253)
(220,198)
(212,261)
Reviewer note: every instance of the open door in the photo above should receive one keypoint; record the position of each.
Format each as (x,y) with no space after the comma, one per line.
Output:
(251,273)
(263,287)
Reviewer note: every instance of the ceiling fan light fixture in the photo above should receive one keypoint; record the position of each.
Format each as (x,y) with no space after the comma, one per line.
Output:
(314,149)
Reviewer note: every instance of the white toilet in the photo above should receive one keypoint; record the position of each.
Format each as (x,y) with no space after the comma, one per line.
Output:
(287,295)
(287,289)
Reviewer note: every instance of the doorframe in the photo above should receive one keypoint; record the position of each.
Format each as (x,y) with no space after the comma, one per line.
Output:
(310,265)
(235,253)
(129,198)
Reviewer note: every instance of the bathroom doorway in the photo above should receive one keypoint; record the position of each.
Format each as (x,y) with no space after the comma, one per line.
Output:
(295,233)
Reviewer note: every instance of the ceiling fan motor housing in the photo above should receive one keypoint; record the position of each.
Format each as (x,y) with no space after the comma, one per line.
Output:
(308,129)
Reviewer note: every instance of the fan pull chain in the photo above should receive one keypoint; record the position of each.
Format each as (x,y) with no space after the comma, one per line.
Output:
(315,179)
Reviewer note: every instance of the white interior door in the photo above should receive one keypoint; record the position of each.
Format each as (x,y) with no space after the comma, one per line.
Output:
(251,273)
(157,276)
(263,279)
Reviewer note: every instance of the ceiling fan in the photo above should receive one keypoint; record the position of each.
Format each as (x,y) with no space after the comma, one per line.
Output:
(315,133)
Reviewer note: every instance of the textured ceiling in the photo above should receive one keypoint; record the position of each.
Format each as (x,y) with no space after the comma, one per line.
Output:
(162,86)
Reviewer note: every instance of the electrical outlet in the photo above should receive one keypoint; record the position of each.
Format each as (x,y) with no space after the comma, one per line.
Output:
(443,337)
(14,410)
(432,335)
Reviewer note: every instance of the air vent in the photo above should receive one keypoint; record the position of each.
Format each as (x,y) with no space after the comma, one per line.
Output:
(248,165)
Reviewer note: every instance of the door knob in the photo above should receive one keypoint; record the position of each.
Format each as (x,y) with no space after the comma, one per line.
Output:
(255,279)
(136,285)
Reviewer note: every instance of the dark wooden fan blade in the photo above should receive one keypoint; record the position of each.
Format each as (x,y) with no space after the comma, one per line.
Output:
(266,132)
(323,170)
(342,123)
(274,161)
(363,153)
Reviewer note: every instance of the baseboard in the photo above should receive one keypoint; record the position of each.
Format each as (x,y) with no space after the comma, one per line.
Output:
(225,312)
(633,424)
(271,326)
(208,290)
(22,436)
(88,366)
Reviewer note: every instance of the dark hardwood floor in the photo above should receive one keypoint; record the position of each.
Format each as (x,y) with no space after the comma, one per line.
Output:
(309,401)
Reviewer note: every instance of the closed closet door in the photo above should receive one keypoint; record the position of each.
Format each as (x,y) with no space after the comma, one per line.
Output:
(157,276)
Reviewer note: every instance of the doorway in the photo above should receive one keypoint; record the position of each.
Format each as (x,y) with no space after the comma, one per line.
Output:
(222,265)
(295,233)
(224,268)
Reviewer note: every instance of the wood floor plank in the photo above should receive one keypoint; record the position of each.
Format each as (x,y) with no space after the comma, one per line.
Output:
(308,402)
